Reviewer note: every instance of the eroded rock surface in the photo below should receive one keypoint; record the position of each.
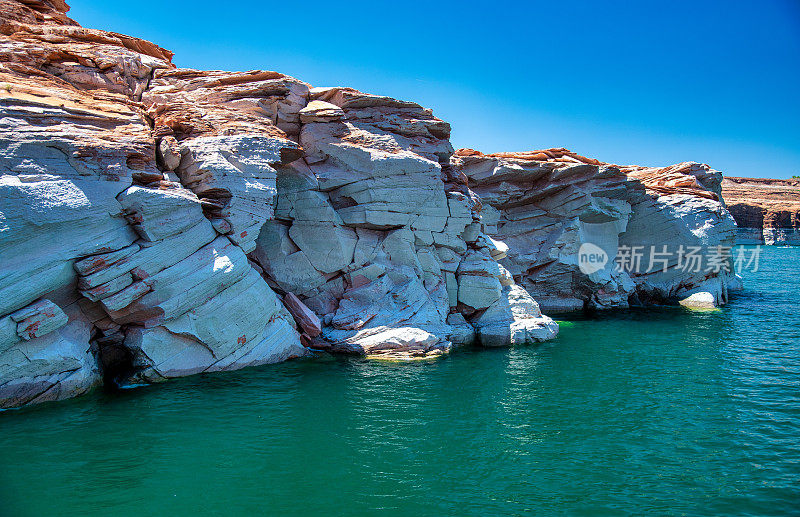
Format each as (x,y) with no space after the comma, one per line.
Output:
(102,246)
(374,233)
(545,205)
(159,222)
(767,211)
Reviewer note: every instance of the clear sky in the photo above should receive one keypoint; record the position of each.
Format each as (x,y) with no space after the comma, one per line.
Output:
(650,83)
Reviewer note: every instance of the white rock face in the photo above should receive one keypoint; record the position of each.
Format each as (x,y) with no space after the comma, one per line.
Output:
(62,164)
(547,205)
(243,325)
(376,237)
(234,176)
(110,266)
(47,355)
(154,221)
(164,206)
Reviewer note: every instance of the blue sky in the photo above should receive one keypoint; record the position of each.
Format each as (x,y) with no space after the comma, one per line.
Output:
(651,83)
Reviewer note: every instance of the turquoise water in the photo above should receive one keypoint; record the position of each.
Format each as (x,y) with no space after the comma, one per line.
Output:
(660,412)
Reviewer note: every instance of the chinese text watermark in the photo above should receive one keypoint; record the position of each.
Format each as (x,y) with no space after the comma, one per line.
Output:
(649,259)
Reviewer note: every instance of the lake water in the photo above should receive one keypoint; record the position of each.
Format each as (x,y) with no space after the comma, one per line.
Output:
(661,412)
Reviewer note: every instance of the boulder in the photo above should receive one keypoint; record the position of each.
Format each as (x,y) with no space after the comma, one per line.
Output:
(320,111)
(514,319)
(402,343)
(169,153)
(305,317)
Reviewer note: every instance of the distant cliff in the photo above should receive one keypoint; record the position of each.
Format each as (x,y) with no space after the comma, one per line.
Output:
(767,211)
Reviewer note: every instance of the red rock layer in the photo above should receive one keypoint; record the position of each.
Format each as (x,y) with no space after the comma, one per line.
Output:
(681,178)
(763,203)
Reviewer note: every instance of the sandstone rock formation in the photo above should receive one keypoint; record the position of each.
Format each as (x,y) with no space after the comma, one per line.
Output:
(102,247)
(158,222)
(372,232)
(767,211)
(544,205)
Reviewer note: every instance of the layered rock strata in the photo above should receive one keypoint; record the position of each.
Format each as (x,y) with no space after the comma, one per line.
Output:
(157,222)
(111,266)
(373,232)
(160,222)
(767,211)
(550,206)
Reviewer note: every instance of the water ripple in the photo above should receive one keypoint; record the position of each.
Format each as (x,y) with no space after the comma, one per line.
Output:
(661,412)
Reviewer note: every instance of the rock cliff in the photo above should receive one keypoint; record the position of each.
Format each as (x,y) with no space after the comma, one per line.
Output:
(548,206)
(157,222)
(767,211)
(160,222)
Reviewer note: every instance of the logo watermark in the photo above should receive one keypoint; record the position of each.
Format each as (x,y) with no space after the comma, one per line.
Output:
(591,258)
(649,259)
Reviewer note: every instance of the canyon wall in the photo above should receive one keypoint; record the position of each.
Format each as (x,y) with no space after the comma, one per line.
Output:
(767,211)
(549,205)
(157,222)
(111,268)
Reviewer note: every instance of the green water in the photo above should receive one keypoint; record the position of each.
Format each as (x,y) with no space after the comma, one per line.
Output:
(659,412)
